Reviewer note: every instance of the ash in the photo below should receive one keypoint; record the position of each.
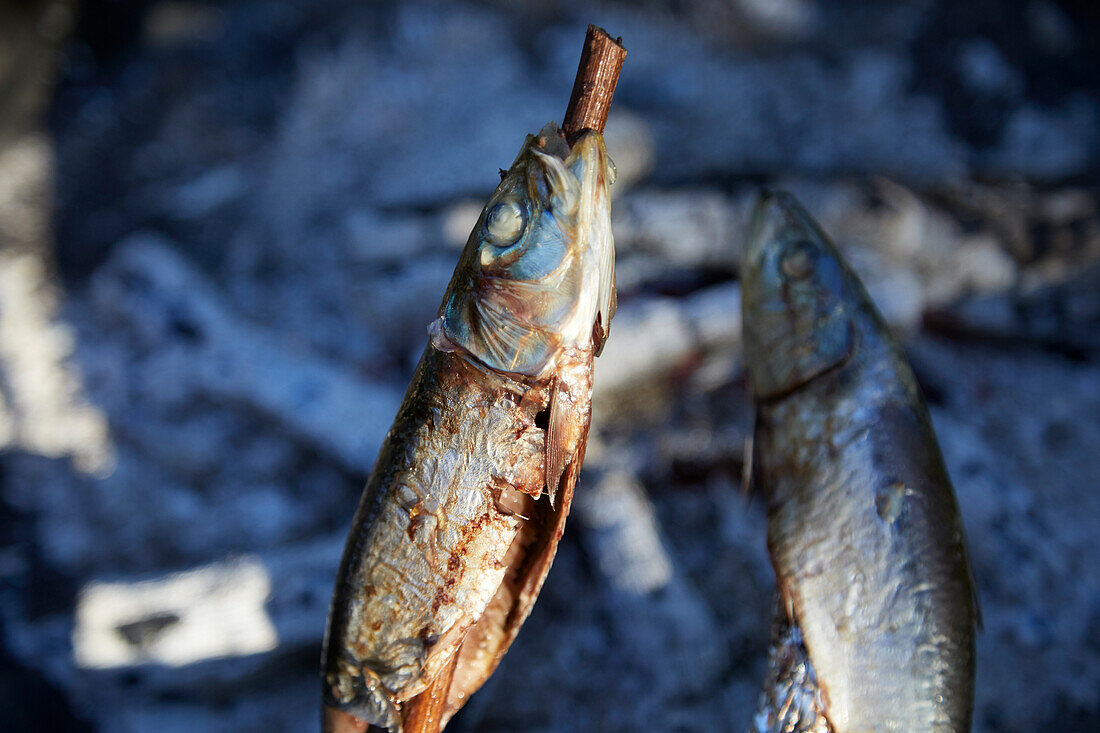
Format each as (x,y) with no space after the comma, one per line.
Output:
(224,228)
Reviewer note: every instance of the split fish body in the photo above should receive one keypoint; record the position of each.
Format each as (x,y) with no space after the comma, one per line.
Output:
(877,612)
(461,516)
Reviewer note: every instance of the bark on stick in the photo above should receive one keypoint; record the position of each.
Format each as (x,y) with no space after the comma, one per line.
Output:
(597,76)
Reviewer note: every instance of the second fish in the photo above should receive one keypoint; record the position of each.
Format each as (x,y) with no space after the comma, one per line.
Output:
(875,626)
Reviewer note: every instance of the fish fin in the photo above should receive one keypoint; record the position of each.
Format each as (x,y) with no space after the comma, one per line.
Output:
(792,698)
(787,604)
(752,482)
(608,305)
(975,599)
(598,338)
(979,622)
(747,461)
(608,301)
(558,453)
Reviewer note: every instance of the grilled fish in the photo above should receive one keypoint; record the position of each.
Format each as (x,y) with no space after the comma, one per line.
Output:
(877,612)
(461,516)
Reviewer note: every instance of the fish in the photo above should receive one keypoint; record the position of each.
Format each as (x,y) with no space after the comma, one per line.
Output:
(461,516)
(876,615)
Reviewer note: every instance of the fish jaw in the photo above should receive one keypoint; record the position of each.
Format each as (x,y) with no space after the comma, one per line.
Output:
(796,296)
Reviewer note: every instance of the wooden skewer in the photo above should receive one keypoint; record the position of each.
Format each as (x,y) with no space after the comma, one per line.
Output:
(597,76)
(424,712)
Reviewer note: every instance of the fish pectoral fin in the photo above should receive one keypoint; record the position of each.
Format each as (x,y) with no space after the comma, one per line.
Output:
(792,699)
(600,331)
(975,599)
(561,437)
(608,300)
(752,482)
(747,463)
(601,328)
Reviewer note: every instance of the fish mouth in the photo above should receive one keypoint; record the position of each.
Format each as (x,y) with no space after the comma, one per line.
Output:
(776,216)
(551,141)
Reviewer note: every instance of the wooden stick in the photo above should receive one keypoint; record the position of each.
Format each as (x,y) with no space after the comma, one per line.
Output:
(597,76)
(425,711)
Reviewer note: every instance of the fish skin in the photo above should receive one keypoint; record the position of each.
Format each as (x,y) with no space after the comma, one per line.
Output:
(863,526)
(452,539)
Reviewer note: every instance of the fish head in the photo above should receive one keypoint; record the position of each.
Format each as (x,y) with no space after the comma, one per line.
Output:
(798,299)
(537,274)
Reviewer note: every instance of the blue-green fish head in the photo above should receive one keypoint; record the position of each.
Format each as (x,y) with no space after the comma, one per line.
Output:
(799,300)
(537,274)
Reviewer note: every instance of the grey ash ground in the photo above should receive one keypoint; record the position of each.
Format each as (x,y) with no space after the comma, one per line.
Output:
(224,230)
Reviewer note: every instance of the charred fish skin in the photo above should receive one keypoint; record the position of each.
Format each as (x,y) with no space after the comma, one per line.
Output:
(453,537)
(864,529)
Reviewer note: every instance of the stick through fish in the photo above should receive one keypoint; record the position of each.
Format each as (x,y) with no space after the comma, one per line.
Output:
(461,516)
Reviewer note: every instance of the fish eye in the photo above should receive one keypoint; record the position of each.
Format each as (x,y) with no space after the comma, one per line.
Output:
(797,260)
(505,223)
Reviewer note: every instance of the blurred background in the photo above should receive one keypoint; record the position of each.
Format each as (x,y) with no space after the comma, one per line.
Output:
(224,227)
